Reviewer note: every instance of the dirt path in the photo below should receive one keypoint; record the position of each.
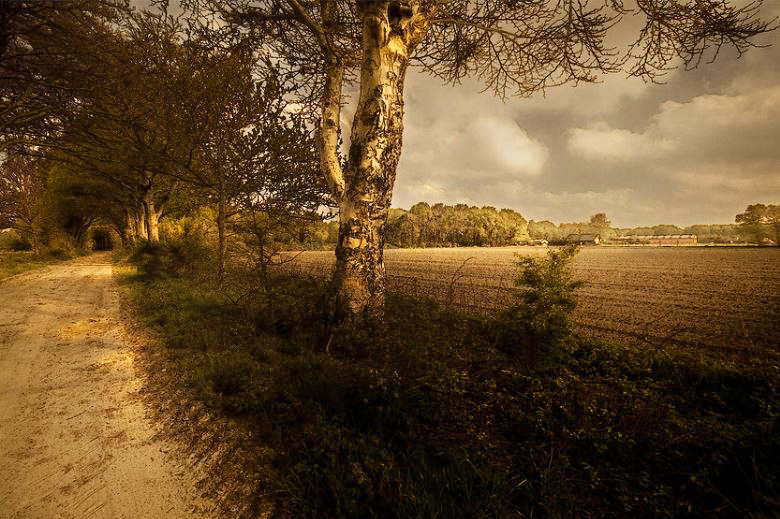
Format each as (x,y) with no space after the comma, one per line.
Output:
(74,439)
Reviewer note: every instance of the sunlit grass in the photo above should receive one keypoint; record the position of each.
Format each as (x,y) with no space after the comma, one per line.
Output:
(13,263)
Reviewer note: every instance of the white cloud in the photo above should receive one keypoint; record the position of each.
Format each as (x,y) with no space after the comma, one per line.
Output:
(452,140)
(602,142)
(702,131)
(423,189)
(588,99)
(710,113)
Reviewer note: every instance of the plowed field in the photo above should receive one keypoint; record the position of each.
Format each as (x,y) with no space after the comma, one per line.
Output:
(724,300)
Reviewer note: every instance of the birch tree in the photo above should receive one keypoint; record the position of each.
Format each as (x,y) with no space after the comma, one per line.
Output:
(516,47)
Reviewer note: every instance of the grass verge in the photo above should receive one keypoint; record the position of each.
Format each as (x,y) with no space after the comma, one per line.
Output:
(13,263)
(434,413)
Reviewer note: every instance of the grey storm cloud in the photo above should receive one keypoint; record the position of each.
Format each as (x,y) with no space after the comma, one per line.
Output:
(697,149)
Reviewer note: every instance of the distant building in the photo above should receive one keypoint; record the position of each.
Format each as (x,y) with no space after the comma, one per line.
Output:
(584,239)
(537,243)
(668,240)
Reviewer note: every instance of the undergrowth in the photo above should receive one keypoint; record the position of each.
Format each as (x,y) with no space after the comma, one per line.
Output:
(435,413)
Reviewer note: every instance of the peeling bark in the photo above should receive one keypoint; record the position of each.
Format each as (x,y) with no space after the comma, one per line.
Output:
(390,32)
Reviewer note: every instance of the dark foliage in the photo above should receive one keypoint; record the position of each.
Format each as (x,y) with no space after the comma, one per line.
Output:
(21,245)
(427,413)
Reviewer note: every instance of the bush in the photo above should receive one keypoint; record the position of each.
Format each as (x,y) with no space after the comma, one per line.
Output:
(19,245)
(189,255)
(541,321)
(58,254)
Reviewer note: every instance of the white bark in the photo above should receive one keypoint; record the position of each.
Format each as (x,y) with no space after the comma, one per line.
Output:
(389,35)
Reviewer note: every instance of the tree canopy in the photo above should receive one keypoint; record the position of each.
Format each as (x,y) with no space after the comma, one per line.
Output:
(759,221)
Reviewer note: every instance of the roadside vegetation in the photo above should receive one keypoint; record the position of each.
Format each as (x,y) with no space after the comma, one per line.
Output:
(16,256)
(434,413)
(13,263)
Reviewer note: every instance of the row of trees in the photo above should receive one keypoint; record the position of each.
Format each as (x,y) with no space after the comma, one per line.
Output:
(460,225)
(455,226)
(155,121)
(155,113)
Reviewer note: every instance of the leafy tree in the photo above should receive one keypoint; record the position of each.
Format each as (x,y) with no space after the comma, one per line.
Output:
(544,230)
(664,229)
(22,191)
(246,152)
(514,47)
(600,224)
(542,317)
(46,52)
(119,130)
(714,233)
(73,203)
(773,220)
(460,225)
(758,220)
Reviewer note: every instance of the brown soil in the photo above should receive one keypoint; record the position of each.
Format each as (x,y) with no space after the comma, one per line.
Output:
(721,301)
(76,439)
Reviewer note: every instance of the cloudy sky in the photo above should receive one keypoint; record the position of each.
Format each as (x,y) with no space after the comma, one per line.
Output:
(697,149)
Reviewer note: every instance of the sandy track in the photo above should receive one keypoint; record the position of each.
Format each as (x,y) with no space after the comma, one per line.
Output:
(74,438)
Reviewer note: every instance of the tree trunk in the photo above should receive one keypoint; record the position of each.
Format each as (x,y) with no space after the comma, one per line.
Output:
(152,218)
(221,232)
(34,237)
(128,236)
(375,148)
(140,223)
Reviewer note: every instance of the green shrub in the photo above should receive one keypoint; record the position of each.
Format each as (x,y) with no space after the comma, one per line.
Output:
(189,255)
(540,321)
(58,254)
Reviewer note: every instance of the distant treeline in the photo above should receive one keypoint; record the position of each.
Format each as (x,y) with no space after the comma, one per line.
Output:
(546,230)
(443,225)
(460,225)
